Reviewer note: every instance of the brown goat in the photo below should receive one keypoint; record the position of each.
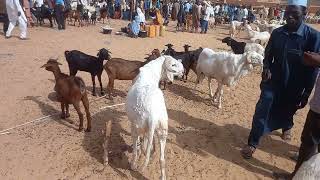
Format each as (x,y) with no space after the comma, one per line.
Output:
(70,90)
(121,69)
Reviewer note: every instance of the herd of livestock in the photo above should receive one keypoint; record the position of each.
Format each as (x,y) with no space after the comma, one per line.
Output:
(145,105)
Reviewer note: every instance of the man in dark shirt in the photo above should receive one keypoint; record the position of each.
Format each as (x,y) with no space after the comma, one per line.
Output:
(286,82)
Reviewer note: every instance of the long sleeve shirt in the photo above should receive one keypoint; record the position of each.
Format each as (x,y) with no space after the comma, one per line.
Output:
(284,56)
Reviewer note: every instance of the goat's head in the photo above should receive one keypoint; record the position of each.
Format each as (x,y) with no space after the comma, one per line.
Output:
(254,58)
(104,54)
(186,47)
(172,68)
(227,40)
(51,65)
(156,52)
(169,46)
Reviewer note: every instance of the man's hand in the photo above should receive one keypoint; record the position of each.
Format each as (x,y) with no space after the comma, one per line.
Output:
(266,75)
(311,59)
(19,13)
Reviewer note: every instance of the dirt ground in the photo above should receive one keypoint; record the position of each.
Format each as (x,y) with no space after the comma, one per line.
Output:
(203,141)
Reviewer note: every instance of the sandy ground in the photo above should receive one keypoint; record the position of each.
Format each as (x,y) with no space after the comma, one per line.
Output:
(203,141)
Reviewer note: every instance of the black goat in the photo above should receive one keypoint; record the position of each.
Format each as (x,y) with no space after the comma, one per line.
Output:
(188,58)
(79,61)
(43,13)
(170,51)
(237,47)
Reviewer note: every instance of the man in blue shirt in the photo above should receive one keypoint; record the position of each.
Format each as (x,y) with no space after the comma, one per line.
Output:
(59,7)
(286,82)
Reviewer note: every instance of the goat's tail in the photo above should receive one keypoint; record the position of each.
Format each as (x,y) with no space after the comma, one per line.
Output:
(80,83)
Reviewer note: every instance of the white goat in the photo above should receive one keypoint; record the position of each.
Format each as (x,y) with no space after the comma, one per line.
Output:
(309,170)
(146,109)
(225,67)
(263,37)
(235,25)
(254,47)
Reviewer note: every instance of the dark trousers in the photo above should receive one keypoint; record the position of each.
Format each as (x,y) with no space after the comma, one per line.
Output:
(59,16)
(204,25)
(310,139)
(261,117)
(5,20)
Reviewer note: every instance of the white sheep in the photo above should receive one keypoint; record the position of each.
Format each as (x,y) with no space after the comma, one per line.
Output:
(235,25)
(263,37)
(225,67)
(309,170)
(146,109)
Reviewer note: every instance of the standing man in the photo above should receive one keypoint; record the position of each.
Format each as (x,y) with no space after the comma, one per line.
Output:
(15,13)
(195,16)
(286,82)
(59,7)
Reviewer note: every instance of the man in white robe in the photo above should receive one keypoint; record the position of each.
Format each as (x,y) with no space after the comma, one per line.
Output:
(16,14)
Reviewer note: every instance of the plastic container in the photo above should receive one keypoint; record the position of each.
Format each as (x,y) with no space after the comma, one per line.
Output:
(157,30)
(162,30)
(152,31)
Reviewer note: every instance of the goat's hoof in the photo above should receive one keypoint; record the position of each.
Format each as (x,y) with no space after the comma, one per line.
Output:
(80,129)
(63,116)
(67,115)
(94,94)
(88,130)
(102,93)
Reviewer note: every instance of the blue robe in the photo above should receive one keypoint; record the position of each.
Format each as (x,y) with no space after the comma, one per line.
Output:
(291,80)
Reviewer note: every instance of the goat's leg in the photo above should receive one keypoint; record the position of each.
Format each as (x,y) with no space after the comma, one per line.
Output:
(149,146)
(134,136)
(67,110)
(162,134)
(186,75)
(63,114)
(110,87)
(210,88)
(220,88)
(93,78)
(77,107)
(101,88)
(85,102)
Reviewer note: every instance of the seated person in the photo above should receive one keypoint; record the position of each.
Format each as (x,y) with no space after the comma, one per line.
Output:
(158,20)
(134,28)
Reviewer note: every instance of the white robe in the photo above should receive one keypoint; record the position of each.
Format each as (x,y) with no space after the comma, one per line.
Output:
(13,7)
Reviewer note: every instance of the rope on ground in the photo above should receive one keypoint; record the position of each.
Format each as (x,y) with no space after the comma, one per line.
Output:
(6,131)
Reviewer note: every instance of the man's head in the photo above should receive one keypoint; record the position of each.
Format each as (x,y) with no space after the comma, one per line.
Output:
(295,12)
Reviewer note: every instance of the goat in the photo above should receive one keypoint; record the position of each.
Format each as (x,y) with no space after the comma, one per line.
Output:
(225,67)
(70,90)
(242,47)
(263,37)
(146,109)
(79,61)
(121,69)
(235,25)
(309,170)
